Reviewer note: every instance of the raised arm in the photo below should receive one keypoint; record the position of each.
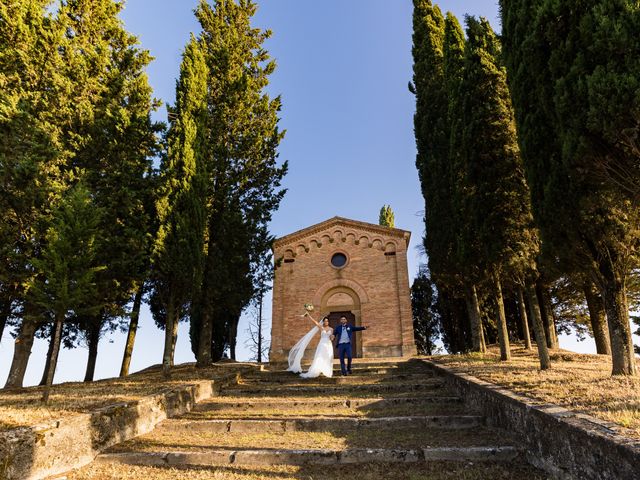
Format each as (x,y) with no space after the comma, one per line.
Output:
(313,320)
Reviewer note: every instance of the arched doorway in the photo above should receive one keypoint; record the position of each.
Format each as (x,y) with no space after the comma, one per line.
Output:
(343,301)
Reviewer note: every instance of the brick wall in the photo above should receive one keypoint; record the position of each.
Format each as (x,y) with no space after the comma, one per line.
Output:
(375,278)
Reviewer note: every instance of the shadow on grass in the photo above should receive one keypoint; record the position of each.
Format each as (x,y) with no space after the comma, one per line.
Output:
(431,471)
(62,438)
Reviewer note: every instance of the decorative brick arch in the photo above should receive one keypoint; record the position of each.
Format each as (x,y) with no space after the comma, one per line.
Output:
(341,282)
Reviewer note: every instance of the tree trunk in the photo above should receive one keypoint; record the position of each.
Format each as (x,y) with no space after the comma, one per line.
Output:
(131,335)
(3,323)
(93,338)
(233,335)
(473,309)
(21,353)
(174,340)
(53,360)
(204,346)
(547,316)
(538,328)
(259,352)
(5,311)
(168,336)
(503,332)
(615,304)
(598,318)
(219,334)
(203,358)
(47,363)
(523,319)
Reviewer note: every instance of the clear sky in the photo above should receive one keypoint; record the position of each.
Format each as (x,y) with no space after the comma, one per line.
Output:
(343,70)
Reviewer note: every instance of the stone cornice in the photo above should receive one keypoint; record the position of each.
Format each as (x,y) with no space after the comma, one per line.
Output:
(356,225)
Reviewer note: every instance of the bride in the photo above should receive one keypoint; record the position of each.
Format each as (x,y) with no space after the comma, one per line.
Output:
(322,363)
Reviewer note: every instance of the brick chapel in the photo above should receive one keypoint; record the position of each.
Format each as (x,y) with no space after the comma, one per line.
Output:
(344,267)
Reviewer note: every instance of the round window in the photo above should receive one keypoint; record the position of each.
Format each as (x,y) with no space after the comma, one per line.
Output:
(339,260)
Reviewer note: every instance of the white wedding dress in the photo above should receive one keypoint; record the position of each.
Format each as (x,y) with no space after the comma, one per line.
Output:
(322,363)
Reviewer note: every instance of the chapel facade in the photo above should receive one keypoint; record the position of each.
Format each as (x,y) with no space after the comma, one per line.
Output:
(344,268)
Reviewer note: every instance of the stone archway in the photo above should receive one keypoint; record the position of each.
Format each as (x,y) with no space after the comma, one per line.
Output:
(339,300)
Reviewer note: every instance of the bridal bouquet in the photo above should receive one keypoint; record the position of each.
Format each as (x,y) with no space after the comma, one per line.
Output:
(308,307)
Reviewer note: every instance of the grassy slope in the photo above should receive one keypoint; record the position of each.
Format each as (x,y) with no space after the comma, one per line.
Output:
(23,407)
(578,382)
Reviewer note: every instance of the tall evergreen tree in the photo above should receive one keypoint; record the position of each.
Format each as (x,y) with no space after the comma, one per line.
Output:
(108,67)
(430,120)
(179,246)
(64,276)
(574,60)
(80,93)
(387,218)
(497,195)
(243,177)
(436,52)
(35,104)
(465,244)
(425,319)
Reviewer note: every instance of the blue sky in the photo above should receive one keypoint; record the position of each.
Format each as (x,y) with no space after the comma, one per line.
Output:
(343,70)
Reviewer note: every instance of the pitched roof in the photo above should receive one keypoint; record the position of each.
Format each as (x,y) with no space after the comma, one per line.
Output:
(370,227)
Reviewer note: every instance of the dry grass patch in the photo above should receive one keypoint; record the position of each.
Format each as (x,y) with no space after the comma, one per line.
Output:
(24,407)
(171,436)
(430,471)
(575,381)
(408,410)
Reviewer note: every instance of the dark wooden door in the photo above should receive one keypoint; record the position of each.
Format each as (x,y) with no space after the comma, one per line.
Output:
(334,321)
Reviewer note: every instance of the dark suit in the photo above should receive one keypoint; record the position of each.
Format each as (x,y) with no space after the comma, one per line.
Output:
(344,349)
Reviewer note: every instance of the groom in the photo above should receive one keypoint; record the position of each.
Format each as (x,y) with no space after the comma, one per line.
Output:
(343,333)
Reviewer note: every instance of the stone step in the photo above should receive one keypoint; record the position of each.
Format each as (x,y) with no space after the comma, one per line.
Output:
(358,370)
(179,435)
(271,425)
(512,470)
(289,377)
(299,388)
(290,403)
(312,456)
(363,407)
(361,363)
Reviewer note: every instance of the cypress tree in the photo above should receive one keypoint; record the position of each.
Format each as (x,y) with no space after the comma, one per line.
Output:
(465,248)
(595,99)
(430,128)
(387,218)
(497,193)
(243,178)
(34,106)
(107,68)
(425,319)
(65,274)
(432,86)
(181,206)
(574,60)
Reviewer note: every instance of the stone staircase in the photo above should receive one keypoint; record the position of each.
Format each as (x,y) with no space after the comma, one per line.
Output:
(390,419)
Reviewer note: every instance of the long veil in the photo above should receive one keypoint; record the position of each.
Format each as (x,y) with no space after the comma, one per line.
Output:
(297,351)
